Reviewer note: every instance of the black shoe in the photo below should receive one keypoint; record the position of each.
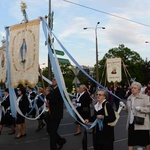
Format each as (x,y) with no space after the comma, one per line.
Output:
(63,142)
(78,133)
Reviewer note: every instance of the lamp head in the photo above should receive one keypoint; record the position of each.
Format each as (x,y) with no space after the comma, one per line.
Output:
(84,28)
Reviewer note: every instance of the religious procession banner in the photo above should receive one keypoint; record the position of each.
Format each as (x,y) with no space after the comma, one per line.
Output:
(3,64)
(24,53)
(114,70)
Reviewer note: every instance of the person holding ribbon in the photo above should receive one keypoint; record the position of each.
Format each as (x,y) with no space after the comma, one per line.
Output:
(83,106)
(103,134)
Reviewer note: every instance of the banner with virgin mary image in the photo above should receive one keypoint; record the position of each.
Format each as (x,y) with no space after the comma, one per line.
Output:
(3,64)
(114,70)
(24,53)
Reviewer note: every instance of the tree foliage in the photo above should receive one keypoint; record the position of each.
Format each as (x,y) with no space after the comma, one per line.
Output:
(146,72)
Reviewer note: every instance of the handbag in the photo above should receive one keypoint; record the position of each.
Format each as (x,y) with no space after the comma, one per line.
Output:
(116,115)
(139,120)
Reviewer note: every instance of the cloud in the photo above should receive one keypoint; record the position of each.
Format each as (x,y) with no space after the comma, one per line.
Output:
(74,27)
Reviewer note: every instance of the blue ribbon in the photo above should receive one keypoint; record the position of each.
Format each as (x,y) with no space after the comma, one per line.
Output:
(76,63)
(34,100)
(0,92)
(12,94)
(100,124)
(56,73)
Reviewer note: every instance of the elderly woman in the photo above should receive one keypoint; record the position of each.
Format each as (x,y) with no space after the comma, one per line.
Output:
(137,105)
(83,106)
(103,139)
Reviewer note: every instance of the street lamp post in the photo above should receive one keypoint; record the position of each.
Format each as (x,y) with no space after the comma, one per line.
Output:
(96,42)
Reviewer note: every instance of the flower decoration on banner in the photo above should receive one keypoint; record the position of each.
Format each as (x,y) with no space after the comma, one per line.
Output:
(23,6)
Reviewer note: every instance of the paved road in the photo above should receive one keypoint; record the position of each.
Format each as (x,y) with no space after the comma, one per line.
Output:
(40,140)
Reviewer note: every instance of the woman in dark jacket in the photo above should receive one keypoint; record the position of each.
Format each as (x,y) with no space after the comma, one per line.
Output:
(7,117)
(23,105)
(103,138)
(83,106)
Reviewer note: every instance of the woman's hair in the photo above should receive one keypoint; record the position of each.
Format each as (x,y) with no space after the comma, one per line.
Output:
(104,91)
(23,91)
(7,90)
(83,86)
(136,84)
(41,90)
(49,89)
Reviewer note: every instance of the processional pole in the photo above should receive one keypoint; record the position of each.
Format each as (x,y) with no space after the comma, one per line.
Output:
(23,9)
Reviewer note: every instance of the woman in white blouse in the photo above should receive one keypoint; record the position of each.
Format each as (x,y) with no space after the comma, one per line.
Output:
(103,139)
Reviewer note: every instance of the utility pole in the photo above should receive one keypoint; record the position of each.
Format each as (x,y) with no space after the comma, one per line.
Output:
(49,42)
(96,42)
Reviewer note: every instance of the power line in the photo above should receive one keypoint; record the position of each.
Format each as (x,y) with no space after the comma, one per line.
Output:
(107,13)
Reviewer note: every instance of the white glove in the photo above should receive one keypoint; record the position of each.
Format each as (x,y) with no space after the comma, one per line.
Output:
(79,104)
(121,104)
(138,108)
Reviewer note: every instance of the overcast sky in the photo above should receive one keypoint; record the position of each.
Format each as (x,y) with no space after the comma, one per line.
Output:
(70,19)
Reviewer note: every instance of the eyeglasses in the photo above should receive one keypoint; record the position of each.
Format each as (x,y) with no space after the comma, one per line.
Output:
(100,94)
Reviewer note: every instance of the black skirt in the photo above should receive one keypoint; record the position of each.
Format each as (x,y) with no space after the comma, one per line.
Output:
(137,137)
(20,119)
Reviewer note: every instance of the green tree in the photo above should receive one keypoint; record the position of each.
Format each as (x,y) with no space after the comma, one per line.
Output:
(131,59)
(146,71)
(45,74)
(68,75)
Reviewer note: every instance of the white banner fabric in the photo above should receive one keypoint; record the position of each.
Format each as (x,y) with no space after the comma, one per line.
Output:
(3,64)
(24,53)
(114,70)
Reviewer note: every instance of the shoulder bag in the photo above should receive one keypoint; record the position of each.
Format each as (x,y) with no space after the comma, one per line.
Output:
(116,115)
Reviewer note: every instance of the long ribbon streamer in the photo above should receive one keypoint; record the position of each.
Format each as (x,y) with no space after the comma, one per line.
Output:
(59,78)
(75,62)
(11,90)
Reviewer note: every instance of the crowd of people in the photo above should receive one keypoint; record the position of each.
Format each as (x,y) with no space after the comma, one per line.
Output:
(47,105)
(137,98)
